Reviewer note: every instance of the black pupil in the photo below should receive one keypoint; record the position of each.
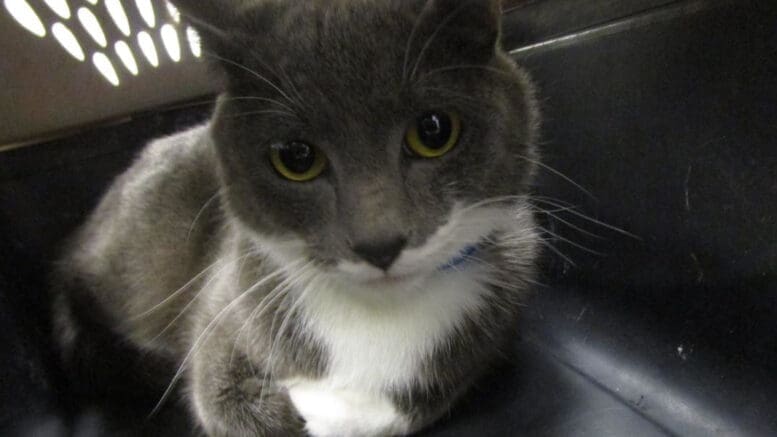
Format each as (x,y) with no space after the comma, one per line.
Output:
(297,157)
(434,130)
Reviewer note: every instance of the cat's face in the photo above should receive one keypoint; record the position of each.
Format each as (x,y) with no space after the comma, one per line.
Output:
(363,135)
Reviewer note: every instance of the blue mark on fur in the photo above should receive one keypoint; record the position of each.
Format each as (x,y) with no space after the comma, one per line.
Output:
(461,258)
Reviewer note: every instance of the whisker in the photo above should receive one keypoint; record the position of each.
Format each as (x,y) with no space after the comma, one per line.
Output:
(252,72)
(283,287)
(478,260)
(200,212)
(267,379)
(561,203)
(491,200)
(566,222)
(280,290)
(263,99)
(433,36)
(592,220)
(197,296)
(559,174)
(558,252)
(177,292)
(229,99)
(572,243)
(266,111)
(287,79)
(411,39)
(204,335)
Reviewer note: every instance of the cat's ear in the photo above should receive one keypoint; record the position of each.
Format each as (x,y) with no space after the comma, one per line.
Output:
(467,29)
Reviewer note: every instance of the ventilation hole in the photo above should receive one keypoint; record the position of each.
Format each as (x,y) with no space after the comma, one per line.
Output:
(173,12)
(170,40)
(92,26)
(146,10)
(68,41)
(119,16)
(194,41)
(148,48)
(59,7)
(105,67)
(126,56)
(25,15)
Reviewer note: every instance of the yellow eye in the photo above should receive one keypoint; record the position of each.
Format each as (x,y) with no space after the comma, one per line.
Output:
(297,161)
(433,134)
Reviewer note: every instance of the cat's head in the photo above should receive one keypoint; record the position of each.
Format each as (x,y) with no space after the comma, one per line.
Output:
(368,136)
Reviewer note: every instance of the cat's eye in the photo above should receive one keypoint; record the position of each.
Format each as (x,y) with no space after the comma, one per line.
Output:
(433,134)
(297,161)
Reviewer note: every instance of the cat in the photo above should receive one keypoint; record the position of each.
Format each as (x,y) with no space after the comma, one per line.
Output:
(343,249)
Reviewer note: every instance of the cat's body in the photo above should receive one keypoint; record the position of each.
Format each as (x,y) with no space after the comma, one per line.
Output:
(281,301)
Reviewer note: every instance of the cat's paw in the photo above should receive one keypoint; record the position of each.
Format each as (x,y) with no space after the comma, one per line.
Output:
(344,413)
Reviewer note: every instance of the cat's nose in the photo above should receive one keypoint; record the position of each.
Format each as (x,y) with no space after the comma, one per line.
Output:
(383,253)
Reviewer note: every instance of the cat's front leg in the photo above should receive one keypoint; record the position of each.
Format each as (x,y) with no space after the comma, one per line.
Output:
(231,397)
(330,412)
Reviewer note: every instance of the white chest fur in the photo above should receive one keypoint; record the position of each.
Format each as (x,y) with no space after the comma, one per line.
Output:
(375,343)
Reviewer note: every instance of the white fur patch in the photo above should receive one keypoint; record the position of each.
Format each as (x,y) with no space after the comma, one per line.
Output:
(343,413)
(377,328)
(378,342)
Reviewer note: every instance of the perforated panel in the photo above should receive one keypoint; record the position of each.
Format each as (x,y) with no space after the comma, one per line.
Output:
(72,62)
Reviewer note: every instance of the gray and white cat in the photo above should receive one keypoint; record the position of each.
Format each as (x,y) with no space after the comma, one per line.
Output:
(344,248)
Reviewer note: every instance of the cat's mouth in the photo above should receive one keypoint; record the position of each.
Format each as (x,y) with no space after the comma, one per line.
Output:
(388,280)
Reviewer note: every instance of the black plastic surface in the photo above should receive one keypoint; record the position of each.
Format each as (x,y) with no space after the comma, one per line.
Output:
(667,118)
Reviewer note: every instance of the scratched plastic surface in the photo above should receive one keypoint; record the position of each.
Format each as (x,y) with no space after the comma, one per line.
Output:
(662,112)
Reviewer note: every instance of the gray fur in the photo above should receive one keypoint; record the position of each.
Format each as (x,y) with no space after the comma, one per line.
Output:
(348,76)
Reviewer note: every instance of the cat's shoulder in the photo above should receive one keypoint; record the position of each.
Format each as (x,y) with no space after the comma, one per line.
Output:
(178,160)
(181,145)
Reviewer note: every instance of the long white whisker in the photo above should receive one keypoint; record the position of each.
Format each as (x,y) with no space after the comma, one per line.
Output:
(264,99)
(558,252)
(197,295)
(269,372)
(229,99)
(272,296)
(262,112)
(183,288)
(200,212)
(255,74)
(559,174)
(572,243)
(561,203)
(589,219)
(566,222)
(205,334)
(287,79)
(491,200)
